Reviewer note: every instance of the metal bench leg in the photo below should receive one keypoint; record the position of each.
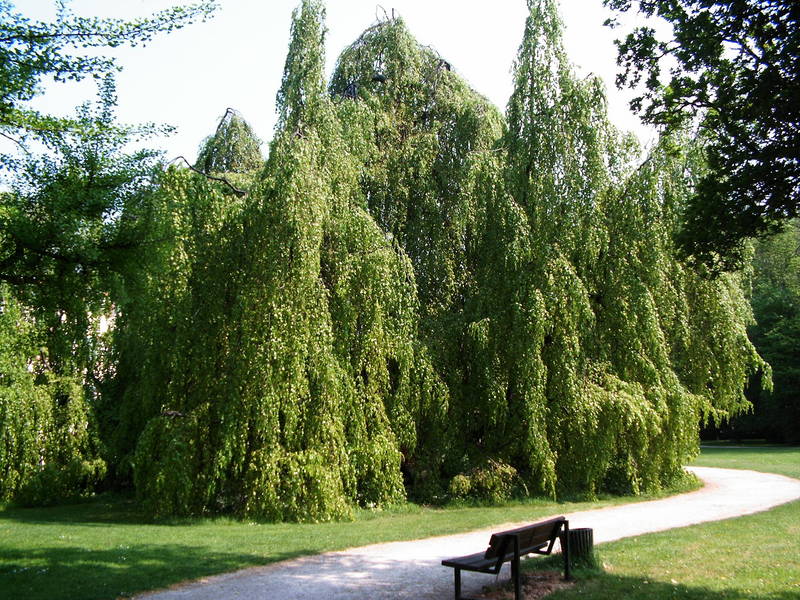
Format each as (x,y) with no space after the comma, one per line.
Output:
(458,583)
(566,552)
(515,577)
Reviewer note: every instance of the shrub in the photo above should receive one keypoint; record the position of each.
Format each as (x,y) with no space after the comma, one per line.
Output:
(492,482)
(56,483)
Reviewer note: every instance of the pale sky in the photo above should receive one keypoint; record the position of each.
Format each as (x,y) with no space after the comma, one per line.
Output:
(189,77)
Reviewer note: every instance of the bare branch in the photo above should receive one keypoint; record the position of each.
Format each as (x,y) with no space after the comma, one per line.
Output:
(237,191)
(17,142)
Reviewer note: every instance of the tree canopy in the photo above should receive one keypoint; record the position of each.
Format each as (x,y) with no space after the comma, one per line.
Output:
(233,148)
(775,298)
(735,65)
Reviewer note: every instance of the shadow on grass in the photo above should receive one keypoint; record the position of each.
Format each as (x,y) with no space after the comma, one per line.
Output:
(115,509)
(107,508)
(66,573)
(605,586)
(593,583)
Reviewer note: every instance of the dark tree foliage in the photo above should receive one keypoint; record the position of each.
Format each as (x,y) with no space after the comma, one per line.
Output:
(776,334)
(734,64)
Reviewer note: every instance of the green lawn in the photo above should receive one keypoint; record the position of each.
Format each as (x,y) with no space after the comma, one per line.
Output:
(105,549)
(784,460)
(750,558)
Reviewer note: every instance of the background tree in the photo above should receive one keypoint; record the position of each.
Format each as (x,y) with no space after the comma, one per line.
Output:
(71,223)
(74,220)
(776,334)
(735,65)
(432,141)
(49,450)
(74,210)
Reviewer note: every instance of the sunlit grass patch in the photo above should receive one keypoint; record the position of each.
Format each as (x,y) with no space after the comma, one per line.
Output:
(755,557)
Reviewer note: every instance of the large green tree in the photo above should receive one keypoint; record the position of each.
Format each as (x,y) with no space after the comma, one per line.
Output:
(734,65)
(417,296)
(74,215)
(282,376)
(622,367)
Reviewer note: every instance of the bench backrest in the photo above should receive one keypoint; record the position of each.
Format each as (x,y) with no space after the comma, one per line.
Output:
(531,537)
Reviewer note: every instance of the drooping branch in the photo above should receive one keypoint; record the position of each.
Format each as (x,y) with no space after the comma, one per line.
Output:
(234,189)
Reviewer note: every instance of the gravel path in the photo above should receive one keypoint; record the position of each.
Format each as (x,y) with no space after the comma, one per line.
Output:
(406,570)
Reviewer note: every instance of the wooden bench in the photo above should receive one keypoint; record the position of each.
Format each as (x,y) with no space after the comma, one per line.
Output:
(511,545)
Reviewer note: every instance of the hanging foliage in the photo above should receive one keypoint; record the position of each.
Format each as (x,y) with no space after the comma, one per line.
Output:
(622,407)
(418,297)
(296,379)
(48,448)
(234,147)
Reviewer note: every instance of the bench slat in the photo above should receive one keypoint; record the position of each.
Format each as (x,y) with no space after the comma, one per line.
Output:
(531,538)
(473,562)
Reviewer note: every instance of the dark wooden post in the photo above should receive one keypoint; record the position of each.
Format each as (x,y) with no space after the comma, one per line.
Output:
(515,570)
(565,551)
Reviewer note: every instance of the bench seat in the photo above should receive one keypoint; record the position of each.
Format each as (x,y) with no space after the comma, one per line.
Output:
(479,563)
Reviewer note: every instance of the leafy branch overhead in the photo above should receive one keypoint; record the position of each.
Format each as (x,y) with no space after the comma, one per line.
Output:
(31,51)
(735,66)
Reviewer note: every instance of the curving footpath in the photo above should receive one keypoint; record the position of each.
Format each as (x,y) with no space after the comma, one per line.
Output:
(406,570)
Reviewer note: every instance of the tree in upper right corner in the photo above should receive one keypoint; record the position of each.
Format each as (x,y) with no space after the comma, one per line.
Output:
(735,65)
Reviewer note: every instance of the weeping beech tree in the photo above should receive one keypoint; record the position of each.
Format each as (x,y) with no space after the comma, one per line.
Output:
(420,297)
(234,147)
(48,445)
(619,364)
(296,375)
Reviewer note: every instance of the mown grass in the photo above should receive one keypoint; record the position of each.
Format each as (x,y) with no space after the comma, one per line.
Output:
(749,558)
(105,549)
(784,460)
